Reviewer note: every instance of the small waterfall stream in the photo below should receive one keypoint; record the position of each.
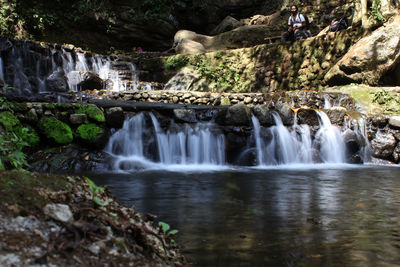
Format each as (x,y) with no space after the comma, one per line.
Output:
(140,143)
(296,146)
(143,142)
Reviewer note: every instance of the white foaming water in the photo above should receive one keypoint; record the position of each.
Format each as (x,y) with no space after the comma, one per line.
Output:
(295,146)
(333,149)
(138,145)
(327,102)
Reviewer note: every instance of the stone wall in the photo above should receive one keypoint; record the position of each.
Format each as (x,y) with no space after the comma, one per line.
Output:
(296,99)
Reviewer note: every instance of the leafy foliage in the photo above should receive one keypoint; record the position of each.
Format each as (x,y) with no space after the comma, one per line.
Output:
(165,228)
(95,190)
(375,10)
(14,138)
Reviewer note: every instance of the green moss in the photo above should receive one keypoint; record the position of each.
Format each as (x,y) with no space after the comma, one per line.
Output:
(92,111)
(56,130)
(50,106)
(89,132)
(176,62)
(63,106)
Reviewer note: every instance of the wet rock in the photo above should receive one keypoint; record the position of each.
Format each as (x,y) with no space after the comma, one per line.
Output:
(308,116)
(57,82)
(394,121)
(115,117)
(185,115)
(286,113)
(77,118)
(264,115)
(353,142)
(238,114)
(380,121)
(396,153)
(336,115)
(91,81)
(59,212)
(383,145)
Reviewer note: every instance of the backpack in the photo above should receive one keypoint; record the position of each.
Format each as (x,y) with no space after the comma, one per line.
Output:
(338,24)
(307,21)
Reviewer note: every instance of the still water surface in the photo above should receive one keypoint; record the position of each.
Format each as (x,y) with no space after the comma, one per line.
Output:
(314,216)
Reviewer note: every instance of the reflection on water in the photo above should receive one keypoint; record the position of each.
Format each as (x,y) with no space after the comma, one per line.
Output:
(328,216)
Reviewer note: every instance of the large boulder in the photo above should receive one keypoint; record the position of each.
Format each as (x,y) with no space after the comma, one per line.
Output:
(264,115)
(227,24)
(370,58)
(238,114)
(57,82)
(265,20)
(336,115)
(308,116)
(244,36)
(383,145)
(91,81)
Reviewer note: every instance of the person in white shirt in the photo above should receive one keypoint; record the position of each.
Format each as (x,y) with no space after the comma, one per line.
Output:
(297,26)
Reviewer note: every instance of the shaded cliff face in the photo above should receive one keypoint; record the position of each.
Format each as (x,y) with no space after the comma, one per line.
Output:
(122,24)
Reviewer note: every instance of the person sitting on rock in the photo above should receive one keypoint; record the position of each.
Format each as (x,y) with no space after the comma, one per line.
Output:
(297,26)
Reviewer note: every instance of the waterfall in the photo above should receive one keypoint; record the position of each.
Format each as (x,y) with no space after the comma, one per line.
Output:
(296,146)
(284,146)
(327,102)
(333,149)
(198,144)
(34,68)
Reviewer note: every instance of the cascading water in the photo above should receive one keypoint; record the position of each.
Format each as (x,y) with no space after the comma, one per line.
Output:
(283,146)
(34,68)
(332,147)
(140,144)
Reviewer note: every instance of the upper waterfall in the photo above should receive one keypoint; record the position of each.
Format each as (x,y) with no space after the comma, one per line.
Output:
(32,68)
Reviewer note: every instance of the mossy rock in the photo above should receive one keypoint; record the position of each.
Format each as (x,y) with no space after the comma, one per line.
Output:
(56,130)
(89,132)
(92,111)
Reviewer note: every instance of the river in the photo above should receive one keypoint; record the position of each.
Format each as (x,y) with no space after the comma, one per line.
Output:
(313,215)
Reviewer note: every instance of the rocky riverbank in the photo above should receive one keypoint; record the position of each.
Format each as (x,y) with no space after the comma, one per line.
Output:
(65,220)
